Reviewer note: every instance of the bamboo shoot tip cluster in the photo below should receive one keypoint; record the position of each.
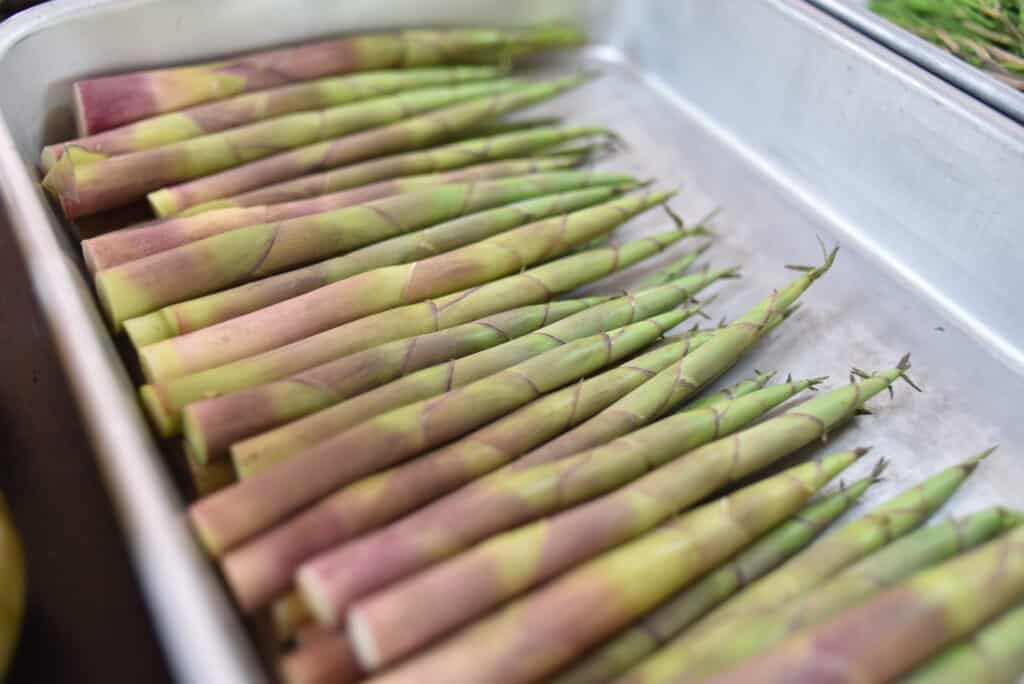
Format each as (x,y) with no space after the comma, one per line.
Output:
(902,367)
(815,272)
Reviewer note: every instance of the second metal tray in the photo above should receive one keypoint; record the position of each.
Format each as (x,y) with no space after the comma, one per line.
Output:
(989,90)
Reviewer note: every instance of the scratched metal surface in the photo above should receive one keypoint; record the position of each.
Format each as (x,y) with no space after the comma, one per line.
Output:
(792,123)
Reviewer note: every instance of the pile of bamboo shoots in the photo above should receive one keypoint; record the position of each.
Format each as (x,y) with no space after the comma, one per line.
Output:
(419,457)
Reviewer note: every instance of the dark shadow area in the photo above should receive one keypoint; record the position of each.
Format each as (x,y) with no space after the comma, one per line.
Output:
(86,620)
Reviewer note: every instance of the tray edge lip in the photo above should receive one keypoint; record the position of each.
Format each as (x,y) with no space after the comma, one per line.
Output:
(125,450)
(999,96)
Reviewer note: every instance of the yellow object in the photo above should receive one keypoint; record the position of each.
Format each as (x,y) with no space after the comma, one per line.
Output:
(12,587)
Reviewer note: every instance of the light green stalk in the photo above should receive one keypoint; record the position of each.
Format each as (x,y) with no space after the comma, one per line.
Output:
(684,379)
(302,434)
(626,649)
(569,538)
(993,655)
(901,627)
(108,101)
(164,401)
(536,635)
(203,312)
(108,183)
(212,425)
(388,288)
(798,594)
(402,136)
(484,147)
(514,496)
(507,126)
(246,109)
(740,389)
(535,423)
(257,503)
(256,251)
(264,567)
(848,544)
(135,242)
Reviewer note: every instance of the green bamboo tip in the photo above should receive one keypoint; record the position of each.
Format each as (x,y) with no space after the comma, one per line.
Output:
(815,272)
(699,228)
(973,462)
(902,366)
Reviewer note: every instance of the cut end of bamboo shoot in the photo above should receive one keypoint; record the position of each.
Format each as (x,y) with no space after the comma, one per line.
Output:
(162,203)
(115,299)
(207,479)
(79,156)
(288,615)
(148,329)
(195,438)
(59,181)
(48,158)
(315,596)
(157,367)
(208,539)
(165,422)
(90,257)
(363,643)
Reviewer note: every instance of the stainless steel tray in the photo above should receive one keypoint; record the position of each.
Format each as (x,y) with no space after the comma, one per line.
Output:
(793,123)
(924,54)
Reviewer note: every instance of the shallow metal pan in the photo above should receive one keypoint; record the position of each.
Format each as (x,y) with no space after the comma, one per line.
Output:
(795,124)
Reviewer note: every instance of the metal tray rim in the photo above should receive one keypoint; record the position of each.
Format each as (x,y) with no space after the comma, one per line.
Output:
(997,95)
(181,588)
